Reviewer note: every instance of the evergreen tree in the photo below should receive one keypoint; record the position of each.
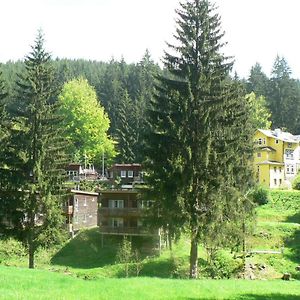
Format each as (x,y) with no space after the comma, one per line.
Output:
(284,97)
(196,142)
(257,81)
(125,130)
(39,148)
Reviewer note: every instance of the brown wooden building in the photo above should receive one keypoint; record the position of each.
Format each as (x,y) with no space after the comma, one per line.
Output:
(121,212)
(127,173)
(81,210)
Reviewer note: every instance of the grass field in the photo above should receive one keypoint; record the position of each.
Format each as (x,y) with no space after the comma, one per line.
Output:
(82,269)
(39,284)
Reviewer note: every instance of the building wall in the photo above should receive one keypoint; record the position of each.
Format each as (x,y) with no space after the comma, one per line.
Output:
(85,208)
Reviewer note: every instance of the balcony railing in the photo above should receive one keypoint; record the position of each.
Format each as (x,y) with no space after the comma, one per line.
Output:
(118,212)
(128,230)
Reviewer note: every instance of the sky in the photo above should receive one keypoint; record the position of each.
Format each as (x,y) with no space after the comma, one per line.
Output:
(255,30)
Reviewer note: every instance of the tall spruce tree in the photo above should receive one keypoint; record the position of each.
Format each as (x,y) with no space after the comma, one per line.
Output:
(284,97)
(258,81)
(125,130)
(196,137)
(37,143)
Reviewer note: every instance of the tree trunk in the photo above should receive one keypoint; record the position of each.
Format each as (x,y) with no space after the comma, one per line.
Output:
(170,241)
(194,258)
(30,250)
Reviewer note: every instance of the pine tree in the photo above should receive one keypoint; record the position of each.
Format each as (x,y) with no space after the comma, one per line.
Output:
(125,130)
(257,81)
(196,126)
(37,143)
(284,97)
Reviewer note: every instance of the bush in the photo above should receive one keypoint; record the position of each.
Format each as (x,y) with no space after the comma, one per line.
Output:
(11,248)
(296,182)
(223,266)
(261,195)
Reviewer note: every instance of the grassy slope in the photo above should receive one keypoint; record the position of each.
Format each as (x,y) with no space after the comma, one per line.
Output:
(278,226)
(39,284)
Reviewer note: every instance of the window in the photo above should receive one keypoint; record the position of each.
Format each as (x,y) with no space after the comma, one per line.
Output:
(292,169)
(116,203)
(276,141)
(279,170)
(275,181)
(280,181)
(260,141)
(289,153)
(264,141)
(116,222)
(130,174)
(287,169)
(275,169)
(289,145)
(258,154)
(123,174)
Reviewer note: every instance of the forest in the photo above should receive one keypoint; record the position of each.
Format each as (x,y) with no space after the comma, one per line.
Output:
(125,91)
(190,123)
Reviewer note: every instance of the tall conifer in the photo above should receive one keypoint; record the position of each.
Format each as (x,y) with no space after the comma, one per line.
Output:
(37,142)
(196,126)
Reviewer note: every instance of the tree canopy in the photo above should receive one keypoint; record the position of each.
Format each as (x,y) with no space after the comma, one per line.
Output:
(85,121)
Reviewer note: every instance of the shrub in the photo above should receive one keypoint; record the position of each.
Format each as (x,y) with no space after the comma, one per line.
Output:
(223,265)
(296,182)
(261,195)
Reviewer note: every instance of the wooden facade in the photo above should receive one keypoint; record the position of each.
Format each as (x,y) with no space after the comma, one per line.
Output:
(121,212)
(127,173)
(81,210)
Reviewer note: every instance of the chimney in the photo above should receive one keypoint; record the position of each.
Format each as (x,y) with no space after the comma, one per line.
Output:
(277,132)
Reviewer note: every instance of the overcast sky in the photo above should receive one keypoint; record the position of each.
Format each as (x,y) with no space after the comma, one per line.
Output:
(256,30)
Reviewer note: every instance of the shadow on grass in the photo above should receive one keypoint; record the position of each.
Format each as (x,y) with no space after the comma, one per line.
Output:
(268,297)
(293,219)
(85,251)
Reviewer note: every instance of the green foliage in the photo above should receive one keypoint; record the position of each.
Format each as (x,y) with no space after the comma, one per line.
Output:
(261,195)
(284,97)
(86,124)
(199,147)
(223,265)
(125,255)
(296,182)
(261,114)
(32,195)
(10,249)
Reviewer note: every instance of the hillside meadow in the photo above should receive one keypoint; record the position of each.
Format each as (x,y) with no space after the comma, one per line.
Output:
(82,269)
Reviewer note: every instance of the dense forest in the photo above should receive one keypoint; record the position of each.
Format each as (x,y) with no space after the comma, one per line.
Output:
(125,91)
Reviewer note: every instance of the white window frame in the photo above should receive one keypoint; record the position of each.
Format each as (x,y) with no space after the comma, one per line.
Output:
(130,174)
(115,203)
(123,173)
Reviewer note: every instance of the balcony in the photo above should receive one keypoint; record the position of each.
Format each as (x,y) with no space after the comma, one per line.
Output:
(128,230)
(120,212)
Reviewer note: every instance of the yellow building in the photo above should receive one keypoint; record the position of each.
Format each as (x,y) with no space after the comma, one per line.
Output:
(277,157)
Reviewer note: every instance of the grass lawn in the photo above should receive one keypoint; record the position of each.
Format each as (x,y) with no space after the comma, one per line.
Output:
(18,283)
